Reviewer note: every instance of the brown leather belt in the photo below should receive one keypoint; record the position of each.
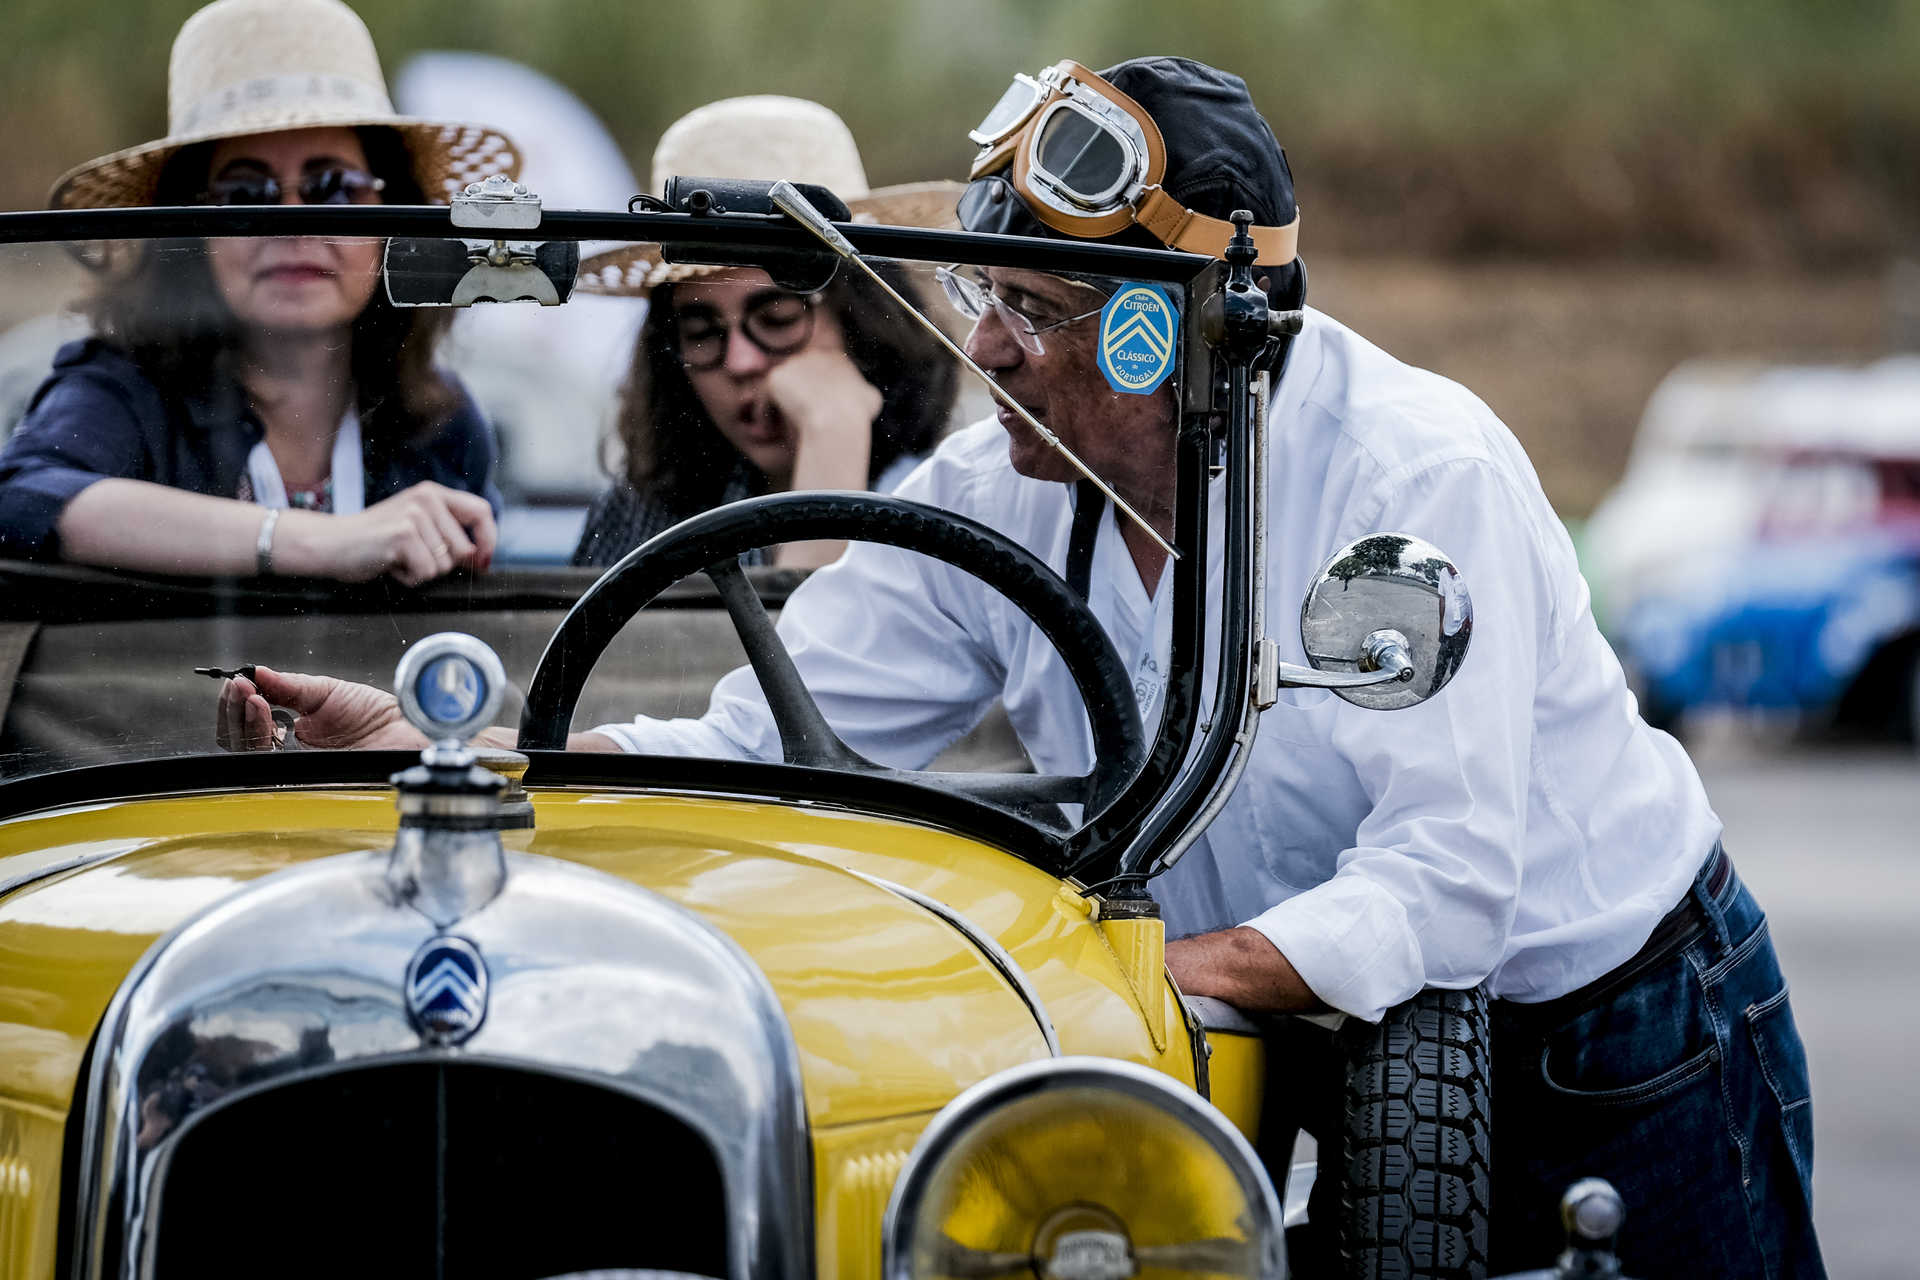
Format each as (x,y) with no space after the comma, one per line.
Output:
(1677,930)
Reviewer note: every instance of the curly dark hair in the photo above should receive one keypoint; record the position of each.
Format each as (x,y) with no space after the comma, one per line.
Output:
(674,451)
(165,312)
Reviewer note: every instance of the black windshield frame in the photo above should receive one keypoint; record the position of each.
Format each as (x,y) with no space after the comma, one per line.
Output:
(1203,422)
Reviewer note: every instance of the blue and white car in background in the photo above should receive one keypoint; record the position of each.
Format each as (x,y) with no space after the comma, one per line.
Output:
(1762,553)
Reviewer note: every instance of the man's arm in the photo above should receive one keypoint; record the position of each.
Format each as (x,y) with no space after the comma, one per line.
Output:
(1426,893)
(1242,967)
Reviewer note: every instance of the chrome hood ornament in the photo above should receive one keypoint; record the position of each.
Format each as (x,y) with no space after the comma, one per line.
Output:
(447,861)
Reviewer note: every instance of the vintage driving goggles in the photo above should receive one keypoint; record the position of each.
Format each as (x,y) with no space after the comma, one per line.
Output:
(1087,160)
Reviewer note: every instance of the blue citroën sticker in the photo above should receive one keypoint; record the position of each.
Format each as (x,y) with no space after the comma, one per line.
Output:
(1139,337)
(446,989)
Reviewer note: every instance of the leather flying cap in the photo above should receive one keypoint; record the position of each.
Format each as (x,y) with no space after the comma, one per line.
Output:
(1221,156)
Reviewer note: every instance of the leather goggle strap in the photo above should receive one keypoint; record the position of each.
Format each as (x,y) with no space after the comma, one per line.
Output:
(1178,227)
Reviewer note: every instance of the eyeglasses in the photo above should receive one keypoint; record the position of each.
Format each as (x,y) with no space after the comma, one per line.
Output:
(335,185)
(777,323)
(972,298)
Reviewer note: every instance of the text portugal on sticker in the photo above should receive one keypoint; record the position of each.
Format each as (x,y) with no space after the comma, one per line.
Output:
(1139,336)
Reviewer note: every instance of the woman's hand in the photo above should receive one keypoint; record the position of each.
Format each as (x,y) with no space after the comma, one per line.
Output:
(416,535)
(332,713)
(831,407)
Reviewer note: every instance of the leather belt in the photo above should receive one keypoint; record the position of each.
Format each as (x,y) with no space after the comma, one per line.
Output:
(1677,930)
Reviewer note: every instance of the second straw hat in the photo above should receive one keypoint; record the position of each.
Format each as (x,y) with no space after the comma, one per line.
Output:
(766,136)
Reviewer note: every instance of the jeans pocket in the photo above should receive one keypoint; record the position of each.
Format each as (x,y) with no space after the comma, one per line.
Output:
(1783,1063)
(1651,1039)
(1628,1095)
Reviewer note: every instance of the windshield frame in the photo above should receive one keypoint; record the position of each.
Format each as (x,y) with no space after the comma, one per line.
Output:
(1203,424)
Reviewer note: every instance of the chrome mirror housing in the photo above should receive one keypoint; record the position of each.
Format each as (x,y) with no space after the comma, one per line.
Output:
(1386,625)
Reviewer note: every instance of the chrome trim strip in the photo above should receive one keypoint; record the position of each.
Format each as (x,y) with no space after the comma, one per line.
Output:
(988,946)
(78,862)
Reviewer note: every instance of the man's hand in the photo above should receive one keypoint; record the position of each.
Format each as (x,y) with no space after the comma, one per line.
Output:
(1242,967)
(332,713)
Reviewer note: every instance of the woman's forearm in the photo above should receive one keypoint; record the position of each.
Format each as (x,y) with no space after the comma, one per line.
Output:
(153,528)
(835,458)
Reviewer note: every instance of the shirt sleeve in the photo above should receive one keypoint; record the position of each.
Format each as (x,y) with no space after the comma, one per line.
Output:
(78,430)
(1426,895)
(897,650)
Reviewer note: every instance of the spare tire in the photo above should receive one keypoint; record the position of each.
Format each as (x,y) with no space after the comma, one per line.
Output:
(1415,1142)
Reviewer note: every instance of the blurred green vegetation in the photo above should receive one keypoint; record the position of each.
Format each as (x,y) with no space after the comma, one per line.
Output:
(1769,130)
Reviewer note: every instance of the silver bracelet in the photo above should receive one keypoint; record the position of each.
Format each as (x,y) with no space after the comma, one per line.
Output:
(263,544)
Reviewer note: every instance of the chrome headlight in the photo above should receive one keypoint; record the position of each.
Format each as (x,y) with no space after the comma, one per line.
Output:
(1082,1169)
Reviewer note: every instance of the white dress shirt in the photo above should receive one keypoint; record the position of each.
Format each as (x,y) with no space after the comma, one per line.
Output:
(1525,827)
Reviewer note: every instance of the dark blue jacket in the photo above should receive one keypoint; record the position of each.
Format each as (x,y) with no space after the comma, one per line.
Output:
(97,416)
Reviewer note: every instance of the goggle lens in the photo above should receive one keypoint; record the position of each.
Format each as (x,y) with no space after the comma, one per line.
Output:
(1086,161)
(1015,105)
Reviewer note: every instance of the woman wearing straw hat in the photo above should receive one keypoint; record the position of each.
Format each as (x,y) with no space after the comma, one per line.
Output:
(256,405)
(738,387)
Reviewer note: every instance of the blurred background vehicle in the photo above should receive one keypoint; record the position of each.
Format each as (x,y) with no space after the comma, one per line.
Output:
(1762,552)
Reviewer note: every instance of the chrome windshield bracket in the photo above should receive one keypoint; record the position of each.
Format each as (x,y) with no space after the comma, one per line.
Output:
(1266,674)
(497,203)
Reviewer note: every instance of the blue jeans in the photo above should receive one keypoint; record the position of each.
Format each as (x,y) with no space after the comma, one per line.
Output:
(1688,1091)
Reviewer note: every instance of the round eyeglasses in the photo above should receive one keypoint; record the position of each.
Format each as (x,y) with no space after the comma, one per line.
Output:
(778,323)
(973,298)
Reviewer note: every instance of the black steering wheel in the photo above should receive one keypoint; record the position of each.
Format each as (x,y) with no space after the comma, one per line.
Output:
(713,542)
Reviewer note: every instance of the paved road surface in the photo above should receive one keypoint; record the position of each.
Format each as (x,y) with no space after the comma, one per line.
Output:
(1829,841)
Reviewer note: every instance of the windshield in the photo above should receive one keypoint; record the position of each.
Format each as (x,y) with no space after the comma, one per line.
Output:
(254,376)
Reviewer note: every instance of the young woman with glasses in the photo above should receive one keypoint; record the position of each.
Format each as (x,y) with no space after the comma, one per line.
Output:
(257,406)
(738,387)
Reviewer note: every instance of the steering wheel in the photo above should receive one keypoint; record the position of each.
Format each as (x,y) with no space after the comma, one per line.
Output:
(713,542)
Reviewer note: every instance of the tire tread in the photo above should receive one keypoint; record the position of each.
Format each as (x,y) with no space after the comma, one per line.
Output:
(1415,1151)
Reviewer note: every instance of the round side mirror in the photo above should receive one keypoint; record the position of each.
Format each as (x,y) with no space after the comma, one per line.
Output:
(1388,601)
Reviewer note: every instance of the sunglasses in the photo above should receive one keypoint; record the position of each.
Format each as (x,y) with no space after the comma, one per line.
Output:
(333,185)
(777,323)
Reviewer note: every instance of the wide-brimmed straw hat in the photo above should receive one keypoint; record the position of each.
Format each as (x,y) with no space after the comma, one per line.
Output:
(766,136)
(257,66)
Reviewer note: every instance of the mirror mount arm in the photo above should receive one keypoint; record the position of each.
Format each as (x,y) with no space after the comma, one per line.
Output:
(1295,677)
(1384,659)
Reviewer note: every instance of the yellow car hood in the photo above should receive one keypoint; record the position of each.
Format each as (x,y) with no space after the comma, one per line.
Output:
(893,1009)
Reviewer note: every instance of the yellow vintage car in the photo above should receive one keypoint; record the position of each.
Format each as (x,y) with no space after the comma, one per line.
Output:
(539,1013)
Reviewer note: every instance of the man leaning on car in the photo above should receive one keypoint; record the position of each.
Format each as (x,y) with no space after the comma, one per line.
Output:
(1527,830)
